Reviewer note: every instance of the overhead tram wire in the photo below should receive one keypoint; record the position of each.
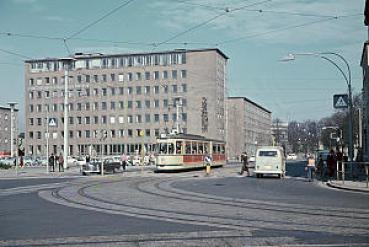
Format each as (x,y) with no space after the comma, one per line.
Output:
(99,19)
(226,11)
(15,54)
(282,29)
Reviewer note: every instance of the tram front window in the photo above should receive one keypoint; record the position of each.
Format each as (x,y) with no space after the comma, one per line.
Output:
(166,148)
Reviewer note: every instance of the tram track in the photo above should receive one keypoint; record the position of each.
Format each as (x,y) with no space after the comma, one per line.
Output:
(89,201)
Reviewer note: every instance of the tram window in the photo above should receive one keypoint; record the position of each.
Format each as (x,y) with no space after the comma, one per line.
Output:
(178,147)
(194,147)
(215,148)
(222,151)
(206,148)
(188,147)
(166,148)
(201,148)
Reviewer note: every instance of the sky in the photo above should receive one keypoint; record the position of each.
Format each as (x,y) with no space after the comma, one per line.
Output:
(254,34)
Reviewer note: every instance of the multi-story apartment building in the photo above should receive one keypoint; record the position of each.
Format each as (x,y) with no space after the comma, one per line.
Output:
(133,97)
(5,130)
(249,126)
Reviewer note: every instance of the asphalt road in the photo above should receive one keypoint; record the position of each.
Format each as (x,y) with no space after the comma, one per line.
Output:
(149,209)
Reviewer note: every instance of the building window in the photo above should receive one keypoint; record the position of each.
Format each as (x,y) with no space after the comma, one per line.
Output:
(104,120)
(121,119)
(165,74)
(112,90)
(129,119)
(174,88)
(165,103)
(174,74)
(147,132)
(104,92)
(130,133)
(79,120)
(147,103)
(138,76)
(39,121)
(156,103)
(184,88)
(103,106)
(121,104)
(87,134)
(104,78)
(120,77)
(156,75)
(129,104)
(183,73)
(130,77)
(129,90)
(112,77)
(147,89)
(156,89)
(138,104)
(87,120)
(157,132)
(87,78)
(156,118)
(147,118)
(147,75)
(138,90)
(96,120)
(112,120)
(31,82)
(165,118)
(138,119)
(165,87)
(121,90)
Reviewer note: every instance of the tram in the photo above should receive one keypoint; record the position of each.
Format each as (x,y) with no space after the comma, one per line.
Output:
(180,151)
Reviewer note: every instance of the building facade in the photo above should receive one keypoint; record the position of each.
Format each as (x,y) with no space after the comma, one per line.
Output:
(119,103)
(365,107)
(249,126)
(5,130)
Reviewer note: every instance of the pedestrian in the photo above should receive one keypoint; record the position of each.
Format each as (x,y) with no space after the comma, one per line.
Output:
(124,160)
(331,164)
(207,160)
(52,162)
(320,166)
(88,159)
(310,168)
(245,165)
(21,163)
(61,163)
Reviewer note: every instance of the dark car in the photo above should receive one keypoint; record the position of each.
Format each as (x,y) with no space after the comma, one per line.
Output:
(94,166)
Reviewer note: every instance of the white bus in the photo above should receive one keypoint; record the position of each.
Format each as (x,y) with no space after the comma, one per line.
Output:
(270,161)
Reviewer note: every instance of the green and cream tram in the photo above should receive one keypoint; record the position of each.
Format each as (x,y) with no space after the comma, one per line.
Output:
(186,151)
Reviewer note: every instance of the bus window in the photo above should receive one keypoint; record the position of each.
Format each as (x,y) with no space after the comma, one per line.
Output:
(178,147)
(201,148)
(194,147)
(188,147)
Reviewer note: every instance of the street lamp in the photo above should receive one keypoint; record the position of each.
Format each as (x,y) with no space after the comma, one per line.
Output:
(347,77)
(67,62)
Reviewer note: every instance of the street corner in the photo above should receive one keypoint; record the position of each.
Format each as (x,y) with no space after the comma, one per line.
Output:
(353,186)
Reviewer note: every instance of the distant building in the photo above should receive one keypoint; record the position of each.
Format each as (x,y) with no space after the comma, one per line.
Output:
(5,118)
(249,126)
(131,97)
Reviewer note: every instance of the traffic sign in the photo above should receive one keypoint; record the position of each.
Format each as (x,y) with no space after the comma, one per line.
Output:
(53,122)
(340,101)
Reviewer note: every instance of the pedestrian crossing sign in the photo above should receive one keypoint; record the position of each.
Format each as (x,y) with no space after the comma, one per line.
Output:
(52,122)
(340,101)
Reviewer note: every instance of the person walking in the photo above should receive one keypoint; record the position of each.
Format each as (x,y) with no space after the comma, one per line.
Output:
(245,164)
(310,167)
(52,162)
(331,163)
(61,163)
(124,160)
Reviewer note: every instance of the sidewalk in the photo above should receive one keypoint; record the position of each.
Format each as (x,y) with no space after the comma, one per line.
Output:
(358,186)
(39,172)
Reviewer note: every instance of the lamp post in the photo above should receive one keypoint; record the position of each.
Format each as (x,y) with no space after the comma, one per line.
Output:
(347,77)
(67,62)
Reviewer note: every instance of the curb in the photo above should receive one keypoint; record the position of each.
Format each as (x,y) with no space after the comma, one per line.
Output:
(332,185)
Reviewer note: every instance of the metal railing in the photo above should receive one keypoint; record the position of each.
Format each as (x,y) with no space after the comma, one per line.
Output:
(341,170)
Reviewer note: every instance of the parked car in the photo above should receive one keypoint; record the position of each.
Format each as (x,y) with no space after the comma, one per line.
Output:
(110,166)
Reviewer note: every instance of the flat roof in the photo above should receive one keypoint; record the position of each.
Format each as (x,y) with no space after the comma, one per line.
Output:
(101,55)
(7,108)
(252,102)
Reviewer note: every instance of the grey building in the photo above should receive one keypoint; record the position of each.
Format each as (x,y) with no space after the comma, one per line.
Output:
(5,131)
(249,126)
(132,97)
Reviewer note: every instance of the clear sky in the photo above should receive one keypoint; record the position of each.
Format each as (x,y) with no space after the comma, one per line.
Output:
(255,34)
